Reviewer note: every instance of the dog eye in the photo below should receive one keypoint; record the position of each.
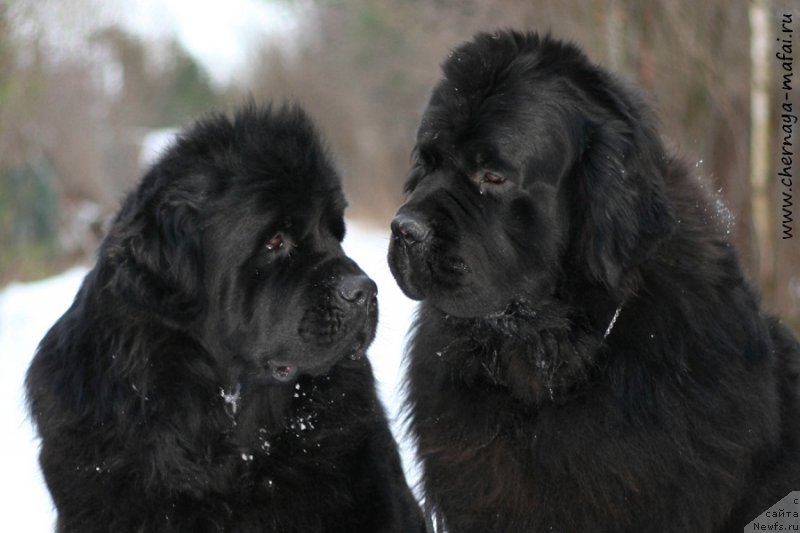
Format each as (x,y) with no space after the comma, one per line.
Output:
(494,179)
(275,243)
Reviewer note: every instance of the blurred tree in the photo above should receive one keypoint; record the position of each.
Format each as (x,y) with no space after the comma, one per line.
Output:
(69,139)
(28,206)
(762,206)
(364,69)
(186,89)
(155,95)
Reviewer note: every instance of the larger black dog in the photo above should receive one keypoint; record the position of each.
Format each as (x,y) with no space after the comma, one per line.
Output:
(588,355)
(209,375)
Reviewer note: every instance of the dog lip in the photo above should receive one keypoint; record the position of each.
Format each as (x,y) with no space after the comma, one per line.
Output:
(363,335)
(358,349)
(283,372)
(400,264)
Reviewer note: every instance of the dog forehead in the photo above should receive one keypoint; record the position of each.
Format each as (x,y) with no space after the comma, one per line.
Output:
(529,125)
(503,82)
(294,206)
(267,175)
(235,230)
(506,131)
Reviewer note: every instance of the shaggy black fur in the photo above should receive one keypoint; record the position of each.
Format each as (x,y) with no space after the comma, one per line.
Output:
(588,355)
(209,375)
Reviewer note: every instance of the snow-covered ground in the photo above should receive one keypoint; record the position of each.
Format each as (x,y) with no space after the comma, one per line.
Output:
(28,310)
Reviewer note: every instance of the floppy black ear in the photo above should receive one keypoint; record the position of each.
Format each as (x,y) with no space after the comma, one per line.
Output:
(157,247)
(626,211)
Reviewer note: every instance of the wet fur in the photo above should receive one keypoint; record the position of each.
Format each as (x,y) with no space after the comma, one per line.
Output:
(149,394)
(685,417)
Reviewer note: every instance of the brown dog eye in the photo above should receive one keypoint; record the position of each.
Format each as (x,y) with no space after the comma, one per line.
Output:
(275,243)
(495,179)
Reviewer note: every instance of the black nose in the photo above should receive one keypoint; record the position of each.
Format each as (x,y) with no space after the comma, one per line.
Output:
(409,228)
(357,289)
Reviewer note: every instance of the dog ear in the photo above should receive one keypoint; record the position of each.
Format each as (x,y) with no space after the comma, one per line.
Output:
(158,246)
(626,211)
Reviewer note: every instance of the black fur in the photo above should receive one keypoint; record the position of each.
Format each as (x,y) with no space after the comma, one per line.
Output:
(588,355)
(208,376)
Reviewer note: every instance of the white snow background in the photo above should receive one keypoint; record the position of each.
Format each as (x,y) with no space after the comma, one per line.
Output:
(28,310)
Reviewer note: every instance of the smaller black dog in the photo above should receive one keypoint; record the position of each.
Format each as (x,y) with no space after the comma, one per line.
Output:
(209,375)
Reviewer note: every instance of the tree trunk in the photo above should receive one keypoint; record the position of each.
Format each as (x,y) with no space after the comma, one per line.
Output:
(759,143)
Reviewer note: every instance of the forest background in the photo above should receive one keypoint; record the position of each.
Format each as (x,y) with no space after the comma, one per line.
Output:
(85,95)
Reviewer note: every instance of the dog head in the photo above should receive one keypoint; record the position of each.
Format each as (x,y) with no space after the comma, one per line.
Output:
(235,235)
(532,169)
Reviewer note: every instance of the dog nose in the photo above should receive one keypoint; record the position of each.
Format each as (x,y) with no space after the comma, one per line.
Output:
(357,289)
(410,229)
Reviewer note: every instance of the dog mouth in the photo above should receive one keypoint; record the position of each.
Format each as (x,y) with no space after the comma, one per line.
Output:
(429,273)
(363,331)
(407,269)
(352,347)
(287,373)
(358,340)
(448,285)
(283,373)
(359,348)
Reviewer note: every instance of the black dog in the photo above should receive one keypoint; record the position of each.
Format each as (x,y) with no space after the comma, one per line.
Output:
(588,355)
(209,375)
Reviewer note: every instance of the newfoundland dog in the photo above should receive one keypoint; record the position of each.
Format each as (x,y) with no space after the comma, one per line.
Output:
(587,355)
(210,375)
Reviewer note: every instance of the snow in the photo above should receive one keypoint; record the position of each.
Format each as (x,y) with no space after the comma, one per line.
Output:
(28,310)
(26,313)
(368,248)
(154,145)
